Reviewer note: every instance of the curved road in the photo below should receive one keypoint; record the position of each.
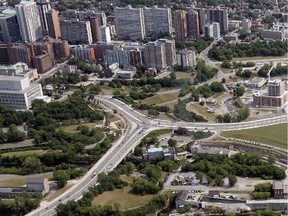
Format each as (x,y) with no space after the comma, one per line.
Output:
(138,126)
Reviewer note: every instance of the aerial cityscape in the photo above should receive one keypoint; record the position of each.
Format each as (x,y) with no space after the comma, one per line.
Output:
(143,107)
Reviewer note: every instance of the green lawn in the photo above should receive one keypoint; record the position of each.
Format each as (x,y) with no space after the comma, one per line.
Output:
(23,153)
(161,98)
(17,182)
(225,70)
(183,75)
(275,135)
(259,58)
(200,110)
(73,128)
(123,197)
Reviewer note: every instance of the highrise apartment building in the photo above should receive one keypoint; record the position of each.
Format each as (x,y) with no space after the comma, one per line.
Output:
(53,24)
(186,58)
(105,34)
(170,51)
(9,28)
(180,25)
(154,55)
(76,31)
(43,7)
(202,18)
(29,21)
(157,20)
(193,30)
(129,23)
(220,16)
(212,29)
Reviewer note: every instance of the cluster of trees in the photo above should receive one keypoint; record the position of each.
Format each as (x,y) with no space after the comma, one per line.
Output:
(262,191)
(196,134)
(9,116)
(242,114)
(233,65)
(198,45)
(244,74)
(207,91)
(276,71)
(182,113)
(204,72)
(62,176)
(21,205)
(12,135)
(59,79)
(216,167)
(257,48)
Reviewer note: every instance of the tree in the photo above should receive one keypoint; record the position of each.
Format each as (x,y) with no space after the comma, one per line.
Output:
(240,91)
(172,143)
(219,181)
(2,136)
(173,75)
(223,80)
(271,159)
(199,175)
(31,165)
(15,135)
(61,177)
(226,64)
(232,180)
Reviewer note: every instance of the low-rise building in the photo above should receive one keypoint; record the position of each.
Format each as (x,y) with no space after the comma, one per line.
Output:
(280,189)
(271,34)
(18,92)
(125,73)
(256,82)
(184,197)
(19,69)
(231,37)
(154,153)
(33,187)
(276,96)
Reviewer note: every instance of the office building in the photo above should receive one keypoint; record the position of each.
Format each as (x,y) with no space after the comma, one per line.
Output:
(129,23)
(4,54)
(212,30)
(220,16)
(20,53)
(43,63)
(53,24)
(154,55)
(29,21)
(61,49)
(105,34)
(83,53)
(76,31)
(17,93)
(186,58)
(9,28)
(20,69)
(157,21)
(43,7)
(180,25)
(170,51)
(193,30)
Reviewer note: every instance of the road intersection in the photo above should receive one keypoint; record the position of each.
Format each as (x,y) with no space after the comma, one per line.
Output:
(138,126)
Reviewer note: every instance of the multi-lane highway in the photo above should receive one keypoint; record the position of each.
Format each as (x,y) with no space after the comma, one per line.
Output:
(138,126)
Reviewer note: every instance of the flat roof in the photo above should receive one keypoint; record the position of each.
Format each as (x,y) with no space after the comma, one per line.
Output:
(12,78)
(151,150)
(33,85)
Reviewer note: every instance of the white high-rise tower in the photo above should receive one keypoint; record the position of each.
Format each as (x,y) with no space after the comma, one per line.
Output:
(29,21)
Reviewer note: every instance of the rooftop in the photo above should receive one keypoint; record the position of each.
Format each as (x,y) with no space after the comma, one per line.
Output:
(256,80)
(35,181)
(152,150)
(182,195)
